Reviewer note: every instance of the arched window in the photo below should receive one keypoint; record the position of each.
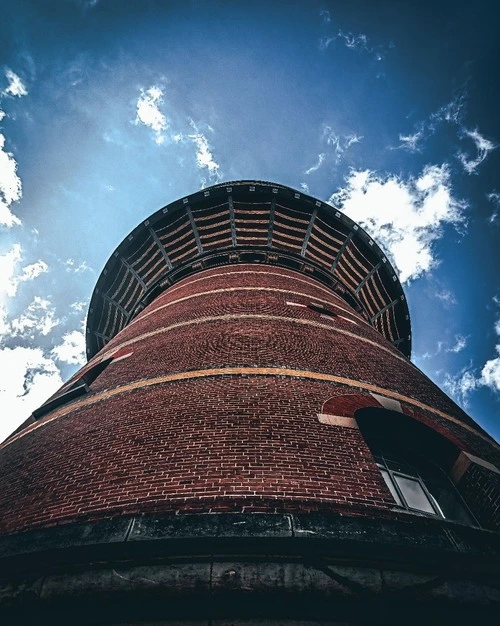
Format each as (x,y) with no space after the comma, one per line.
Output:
(414,461)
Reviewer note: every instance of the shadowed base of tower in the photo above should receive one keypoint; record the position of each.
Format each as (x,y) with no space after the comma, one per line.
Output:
(251,569)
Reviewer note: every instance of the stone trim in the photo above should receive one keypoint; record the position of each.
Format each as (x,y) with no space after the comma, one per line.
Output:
(464,461)
(337,420)
(243,371)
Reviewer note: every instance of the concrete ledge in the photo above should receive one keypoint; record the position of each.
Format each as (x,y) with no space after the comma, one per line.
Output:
(246,566)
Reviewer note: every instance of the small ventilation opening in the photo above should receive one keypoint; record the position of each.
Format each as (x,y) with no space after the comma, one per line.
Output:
(79,387)
(317,308)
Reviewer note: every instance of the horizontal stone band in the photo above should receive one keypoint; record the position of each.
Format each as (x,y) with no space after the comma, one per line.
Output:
(242,371)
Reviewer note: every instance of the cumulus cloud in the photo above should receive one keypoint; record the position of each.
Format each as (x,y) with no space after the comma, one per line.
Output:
(10,186)
(483,148)
(15,85)
(39,318)
(72,348)
(148,113)
(204,157)
(405,216)
(28,379)
(10,277)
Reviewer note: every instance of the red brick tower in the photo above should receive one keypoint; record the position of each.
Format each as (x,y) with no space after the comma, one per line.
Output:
(249,442)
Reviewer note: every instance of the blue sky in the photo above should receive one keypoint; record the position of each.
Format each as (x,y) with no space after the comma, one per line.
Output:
(111,109)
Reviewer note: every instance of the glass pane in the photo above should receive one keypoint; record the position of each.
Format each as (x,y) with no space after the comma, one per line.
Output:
(392,489)
(413,493)
(450,503)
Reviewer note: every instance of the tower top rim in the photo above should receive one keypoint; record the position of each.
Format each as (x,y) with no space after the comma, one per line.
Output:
(248,221)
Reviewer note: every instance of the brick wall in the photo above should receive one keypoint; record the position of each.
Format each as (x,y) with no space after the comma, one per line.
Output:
(217,407)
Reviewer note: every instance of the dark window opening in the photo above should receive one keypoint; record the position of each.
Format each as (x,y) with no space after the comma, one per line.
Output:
(414,460)
(321,310)
(78,388)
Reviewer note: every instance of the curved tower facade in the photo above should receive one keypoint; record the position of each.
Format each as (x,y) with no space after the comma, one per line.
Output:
(249,442)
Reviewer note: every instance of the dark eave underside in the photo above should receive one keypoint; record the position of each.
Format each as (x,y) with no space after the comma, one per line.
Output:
(243,222)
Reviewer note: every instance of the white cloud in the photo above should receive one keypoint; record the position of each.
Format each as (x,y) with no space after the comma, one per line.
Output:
(339,143)
(8,266)
(72,348)
(483,148)
(9,274)
(461,385)
(28,379)
(405,216)
(317,165)
(148,113)
(354,42)
(459,345)
(35,269)
(452,112)
(76,268)
(15,87)
(10,186)
(446,296)
(204,156)
(494,197)
(79,306)
(38,318)
(467,380)
(411,142)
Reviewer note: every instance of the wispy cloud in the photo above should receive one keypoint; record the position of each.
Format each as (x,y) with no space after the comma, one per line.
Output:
(494,198)
(75,267)
(204,158)
(459,345)
(353,41)
(339,143)
(325,16)
(483,147)
(451,113)
(15,87)
(411,142)
(447,297)
(406,216)
(149,114)
(317,165)
(468,379)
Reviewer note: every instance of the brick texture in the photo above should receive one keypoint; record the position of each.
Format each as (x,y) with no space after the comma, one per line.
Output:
(235,442)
